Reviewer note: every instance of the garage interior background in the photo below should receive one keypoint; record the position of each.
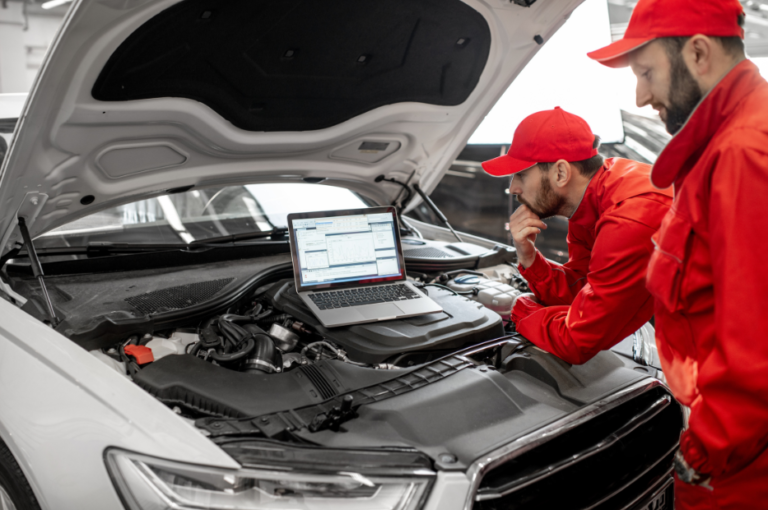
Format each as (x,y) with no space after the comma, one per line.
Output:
(27,28)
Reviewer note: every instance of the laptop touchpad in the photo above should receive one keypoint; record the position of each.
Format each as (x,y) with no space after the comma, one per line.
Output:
(384,310)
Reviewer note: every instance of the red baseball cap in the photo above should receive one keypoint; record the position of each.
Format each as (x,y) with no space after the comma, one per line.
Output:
(545,137)
(652,19)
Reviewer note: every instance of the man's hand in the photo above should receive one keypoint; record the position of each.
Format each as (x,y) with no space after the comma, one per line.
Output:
(524,225)
(528,295)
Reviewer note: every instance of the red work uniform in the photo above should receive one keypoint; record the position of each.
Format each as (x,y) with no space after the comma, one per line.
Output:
(710,280)
(598,297)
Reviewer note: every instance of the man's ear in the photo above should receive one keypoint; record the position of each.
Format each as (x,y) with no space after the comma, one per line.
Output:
(562,172)
(697,54)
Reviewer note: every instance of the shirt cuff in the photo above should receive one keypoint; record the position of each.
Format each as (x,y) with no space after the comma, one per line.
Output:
(538,271)
(524,306)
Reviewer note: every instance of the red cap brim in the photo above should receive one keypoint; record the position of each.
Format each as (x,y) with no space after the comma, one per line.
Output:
(615,54)
(506,165)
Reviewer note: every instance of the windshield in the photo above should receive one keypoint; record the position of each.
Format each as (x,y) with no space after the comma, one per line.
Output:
(3,148)
(202,214)
(6,133)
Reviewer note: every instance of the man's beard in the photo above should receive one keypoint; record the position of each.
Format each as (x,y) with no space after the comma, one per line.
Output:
(548,203)
(684,94)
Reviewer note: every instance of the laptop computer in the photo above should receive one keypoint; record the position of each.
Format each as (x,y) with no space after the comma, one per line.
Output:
(349,267)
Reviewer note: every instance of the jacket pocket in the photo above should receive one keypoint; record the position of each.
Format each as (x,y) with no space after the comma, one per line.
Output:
(666,267)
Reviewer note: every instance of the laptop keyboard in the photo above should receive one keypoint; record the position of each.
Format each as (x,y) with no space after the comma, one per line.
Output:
(364,296)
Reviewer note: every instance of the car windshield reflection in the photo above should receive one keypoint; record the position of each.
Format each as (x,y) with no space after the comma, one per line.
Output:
(202,214)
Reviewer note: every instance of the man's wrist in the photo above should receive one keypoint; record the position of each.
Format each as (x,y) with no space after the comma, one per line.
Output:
(526,262)
(686,473)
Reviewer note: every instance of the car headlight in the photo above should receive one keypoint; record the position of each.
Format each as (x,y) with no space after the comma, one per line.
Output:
(146,483)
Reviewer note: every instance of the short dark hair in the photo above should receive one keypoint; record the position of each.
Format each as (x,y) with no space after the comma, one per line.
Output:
(733,46)
(586,167)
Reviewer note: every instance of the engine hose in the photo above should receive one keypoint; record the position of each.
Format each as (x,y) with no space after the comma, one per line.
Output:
(262,315)
(231,317)
(196,348)
(447,275)
(231,338)
(250,344)
(258,313)
(338,353)
(277,318)
(266,357)
(228,342)
(321,343)
(253,329)
(232,332)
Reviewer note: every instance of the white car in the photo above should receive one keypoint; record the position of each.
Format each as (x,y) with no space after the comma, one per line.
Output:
(153,352)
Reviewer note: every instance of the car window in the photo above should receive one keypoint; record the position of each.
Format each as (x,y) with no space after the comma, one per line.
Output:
(3,148)
(6,133)
(201,214)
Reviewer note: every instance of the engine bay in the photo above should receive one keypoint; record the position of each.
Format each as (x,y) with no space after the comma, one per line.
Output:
(275,355)
(221,338)
(232,338)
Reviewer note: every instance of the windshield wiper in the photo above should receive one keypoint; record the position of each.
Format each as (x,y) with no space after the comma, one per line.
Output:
(275,234)
(20,252)
(109,248)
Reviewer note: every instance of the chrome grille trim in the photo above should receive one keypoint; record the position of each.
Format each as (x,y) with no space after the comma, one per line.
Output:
(505,453)
(668,473)
(652,491)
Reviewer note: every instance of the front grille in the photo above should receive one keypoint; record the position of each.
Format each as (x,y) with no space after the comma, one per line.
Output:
(606,463)
(177,298)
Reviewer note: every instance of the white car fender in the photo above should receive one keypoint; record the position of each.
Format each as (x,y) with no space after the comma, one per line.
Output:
(60,408)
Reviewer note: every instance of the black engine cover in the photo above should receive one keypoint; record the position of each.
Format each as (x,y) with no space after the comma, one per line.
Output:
(206,388)
(463,322)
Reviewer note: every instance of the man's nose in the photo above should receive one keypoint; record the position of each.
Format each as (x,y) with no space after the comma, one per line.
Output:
(642,93)
(514,188)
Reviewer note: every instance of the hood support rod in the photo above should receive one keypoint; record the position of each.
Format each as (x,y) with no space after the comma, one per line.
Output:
(435,210)
(37,268)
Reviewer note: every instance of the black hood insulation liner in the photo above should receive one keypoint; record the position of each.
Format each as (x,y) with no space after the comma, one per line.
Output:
(298,65)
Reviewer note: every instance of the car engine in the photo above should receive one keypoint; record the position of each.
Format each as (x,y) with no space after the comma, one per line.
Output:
(270,353)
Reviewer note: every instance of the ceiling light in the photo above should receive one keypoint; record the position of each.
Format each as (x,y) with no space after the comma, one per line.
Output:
(54,3)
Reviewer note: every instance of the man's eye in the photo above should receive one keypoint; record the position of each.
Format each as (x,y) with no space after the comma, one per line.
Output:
(647,75)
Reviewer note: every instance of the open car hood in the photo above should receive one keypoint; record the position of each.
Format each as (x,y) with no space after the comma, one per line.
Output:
(141,97)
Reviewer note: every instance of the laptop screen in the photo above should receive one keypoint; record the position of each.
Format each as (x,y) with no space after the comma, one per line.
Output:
(332,249)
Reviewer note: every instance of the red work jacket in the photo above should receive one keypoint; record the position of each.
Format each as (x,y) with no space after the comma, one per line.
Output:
(710,279)
(598,297)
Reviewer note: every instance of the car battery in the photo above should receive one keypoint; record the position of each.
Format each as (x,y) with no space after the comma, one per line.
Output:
(494,295)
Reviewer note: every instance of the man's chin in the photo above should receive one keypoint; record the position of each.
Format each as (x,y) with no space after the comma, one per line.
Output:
(540,214)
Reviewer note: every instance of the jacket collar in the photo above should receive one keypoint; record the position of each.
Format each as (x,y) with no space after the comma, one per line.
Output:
(682,152)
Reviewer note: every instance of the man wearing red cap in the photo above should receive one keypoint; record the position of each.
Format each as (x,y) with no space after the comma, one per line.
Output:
(708,272)
(598,297)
